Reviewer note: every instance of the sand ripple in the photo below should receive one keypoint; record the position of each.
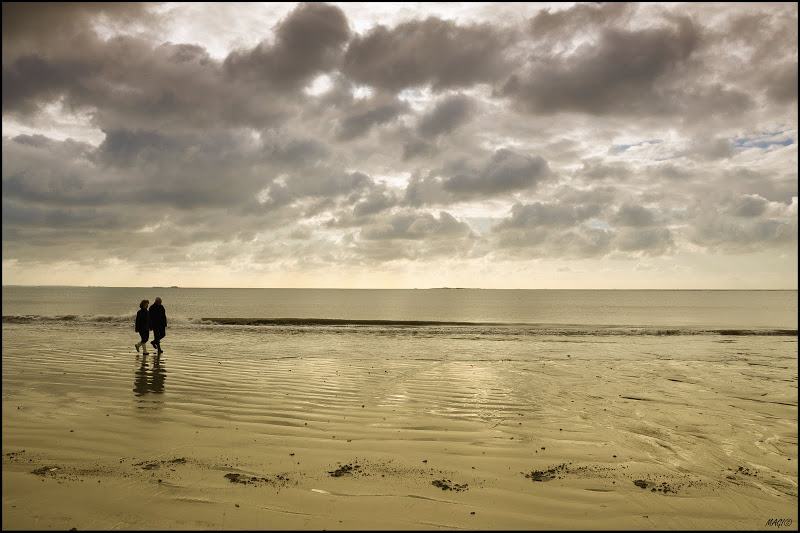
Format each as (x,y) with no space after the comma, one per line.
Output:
(688,413)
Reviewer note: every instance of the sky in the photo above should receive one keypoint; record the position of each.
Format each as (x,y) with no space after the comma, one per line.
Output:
(400,145)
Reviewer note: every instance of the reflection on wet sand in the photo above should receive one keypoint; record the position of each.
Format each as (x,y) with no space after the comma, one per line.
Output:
(148,379)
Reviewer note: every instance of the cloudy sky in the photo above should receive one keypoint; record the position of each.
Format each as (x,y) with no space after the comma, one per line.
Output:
(400,145)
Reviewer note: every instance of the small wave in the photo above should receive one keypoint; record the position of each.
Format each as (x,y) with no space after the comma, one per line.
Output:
(22,319)
(19,319)
(99,319)
(428,327)
(108,318)
(770,332)
(334,322)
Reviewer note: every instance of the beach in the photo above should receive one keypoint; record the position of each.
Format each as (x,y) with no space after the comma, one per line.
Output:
(396,427)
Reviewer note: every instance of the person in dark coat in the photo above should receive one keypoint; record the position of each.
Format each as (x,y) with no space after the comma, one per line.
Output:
(158,323)
(143,326)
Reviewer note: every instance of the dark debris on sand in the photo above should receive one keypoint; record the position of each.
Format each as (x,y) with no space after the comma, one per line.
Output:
(151,465)
(446,484)
(546,475)
(345,469)
(14,456)
(663,487)
(46,470)
(746,471)
(563,470)
(278,481)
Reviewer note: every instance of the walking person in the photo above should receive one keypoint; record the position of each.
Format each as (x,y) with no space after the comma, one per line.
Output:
(143,326)
(158,323)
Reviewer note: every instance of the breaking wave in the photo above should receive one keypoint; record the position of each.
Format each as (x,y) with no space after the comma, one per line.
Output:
(428,326)
(91,319)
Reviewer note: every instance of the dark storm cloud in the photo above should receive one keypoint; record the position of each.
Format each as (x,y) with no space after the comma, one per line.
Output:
(678,65)
(44,26)
(593,198)
(649,241)
(713,149)
(300,234)
(670,172)
(539,215)
(618,74)
(729,222)
(360,207)
(712,101)
(506,171)
(76,218)
(220,168)
(328,183)
(775,187)
(166,88)
(307,42)
(431,51)
(596,169)
(715,231)
(375,202)
(293,153)
(579,231)
(417,148)
(782,83)
(68,148)
(360,123)
(32,79)
(42,170)
(216,169)
(413,236)
(126,146)
(448,115)
(634,216)
(88,246)
(426,190)
(126,82)
(563,23)
(185,53)
(749,205)
(321,187)
(580,242)
(44,185)
(760,36)
(416,226)
(743,58)
(51,49)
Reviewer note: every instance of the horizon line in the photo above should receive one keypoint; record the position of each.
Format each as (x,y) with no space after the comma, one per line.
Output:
(392,288)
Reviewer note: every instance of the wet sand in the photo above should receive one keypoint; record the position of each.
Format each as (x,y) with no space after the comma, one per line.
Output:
(321,429)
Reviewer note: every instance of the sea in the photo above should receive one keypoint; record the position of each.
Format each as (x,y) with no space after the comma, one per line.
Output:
(478,311)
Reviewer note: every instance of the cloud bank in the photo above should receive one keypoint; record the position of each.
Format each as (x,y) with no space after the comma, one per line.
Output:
(327,142)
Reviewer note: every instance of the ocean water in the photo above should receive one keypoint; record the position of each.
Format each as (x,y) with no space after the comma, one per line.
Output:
(533,311)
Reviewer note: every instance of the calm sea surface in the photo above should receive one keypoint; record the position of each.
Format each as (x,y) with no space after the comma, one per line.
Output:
(584,310)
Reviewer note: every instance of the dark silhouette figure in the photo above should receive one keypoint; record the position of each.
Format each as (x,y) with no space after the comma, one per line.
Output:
(158,323)
(142,326)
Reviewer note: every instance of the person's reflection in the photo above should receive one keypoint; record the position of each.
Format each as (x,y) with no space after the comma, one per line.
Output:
(159,376)
(149,380)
